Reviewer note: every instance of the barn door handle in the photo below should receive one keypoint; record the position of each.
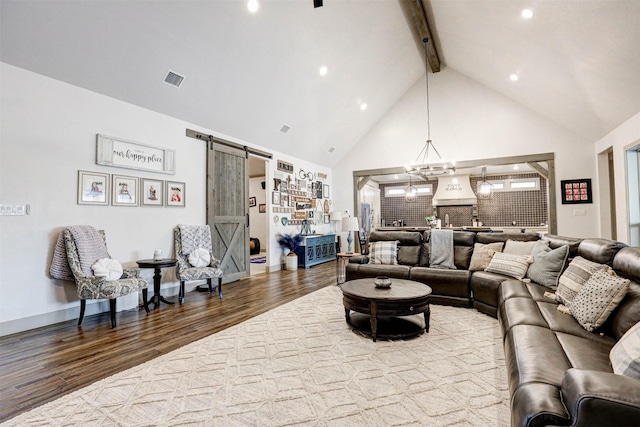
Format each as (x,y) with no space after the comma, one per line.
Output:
(247,220)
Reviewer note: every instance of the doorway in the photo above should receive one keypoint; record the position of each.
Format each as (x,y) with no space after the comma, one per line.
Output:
(258,223)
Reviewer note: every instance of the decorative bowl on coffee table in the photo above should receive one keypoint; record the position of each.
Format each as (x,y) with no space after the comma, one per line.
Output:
(382,282)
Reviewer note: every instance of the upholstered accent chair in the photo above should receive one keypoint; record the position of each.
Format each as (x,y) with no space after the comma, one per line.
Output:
(92,287)
(188,238)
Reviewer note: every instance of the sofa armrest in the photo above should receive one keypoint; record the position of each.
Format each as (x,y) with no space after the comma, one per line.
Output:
(359,259)
(595,398)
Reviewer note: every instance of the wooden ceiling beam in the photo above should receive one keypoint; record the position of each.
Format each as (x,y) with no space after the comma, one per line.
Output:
(419,18)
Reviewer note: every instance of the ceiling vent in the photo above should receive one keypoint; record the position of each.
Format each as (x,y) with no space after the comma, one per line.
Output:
(174,79)
(285,128)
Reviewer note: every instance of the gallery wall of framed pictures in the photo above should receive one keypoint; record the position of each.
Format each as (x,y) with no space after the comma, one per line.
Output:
(103,189)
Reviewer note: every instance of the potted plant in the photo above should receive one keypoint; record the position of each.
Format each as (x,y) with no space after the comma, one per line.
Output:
(291,242)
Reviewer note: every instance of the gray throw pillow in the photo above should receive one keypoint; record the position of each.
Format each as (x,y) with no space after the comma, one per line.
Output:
(547,264)
(599,296)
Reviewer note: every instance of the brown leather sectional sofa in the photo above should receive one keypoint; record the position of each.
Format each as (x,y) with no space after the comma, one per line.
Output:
(559,374)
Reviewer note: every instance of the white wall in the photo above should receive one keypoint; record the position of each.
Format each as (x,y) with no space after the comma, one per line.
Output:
(470,122)
(624,137)
(258,221)
(48,133)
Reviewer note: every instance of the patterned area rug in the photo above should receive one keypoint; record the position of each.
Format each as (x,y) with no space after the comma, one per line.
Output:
(300,364)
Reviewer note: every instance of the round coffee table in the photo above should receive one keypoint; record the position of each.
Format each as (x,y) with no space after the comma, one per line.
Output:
(403,298)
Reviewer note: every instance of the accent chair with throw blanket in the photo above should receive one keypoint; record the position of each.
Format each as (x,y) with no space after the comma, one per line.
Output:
(81,255)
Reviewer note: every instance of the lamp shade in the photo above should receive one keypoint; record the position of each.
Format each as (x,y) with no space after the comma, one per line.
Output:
(336,216)
(350,224)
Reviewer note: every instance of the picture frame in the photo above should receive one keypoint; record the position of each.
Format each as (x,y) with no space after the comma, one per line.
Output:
(262,208)
(275,198)
(93,188)
(151,192)
(325,191)
(327,219)
(575,191)
(118,152)
(252,202)
(124,190)
(175,194)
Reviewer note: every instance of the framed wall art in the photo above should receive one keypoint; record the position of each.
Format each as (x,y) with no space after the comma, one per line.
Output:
(93,188)
(175,194)
(151,192)
(121,153)
(262,208)
(576,191)
(124,190)
(252,202)
(325,191)
(275,198)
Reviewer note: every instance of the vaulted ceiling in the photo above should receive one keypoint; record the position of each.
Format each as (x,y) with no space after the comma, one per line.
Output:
(248,74)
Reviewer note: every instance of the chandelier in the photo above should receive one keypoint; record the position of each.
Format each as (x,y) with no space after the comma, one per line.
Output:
(425,165)
(485,188)
(411,193)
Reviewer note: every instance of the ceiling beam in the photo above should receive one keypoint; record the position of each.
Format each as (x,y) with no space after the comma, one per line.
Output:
(419,18)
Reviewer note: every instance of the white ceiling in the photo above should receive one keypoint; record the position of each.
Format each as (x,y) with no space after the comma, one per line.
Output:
(247,75)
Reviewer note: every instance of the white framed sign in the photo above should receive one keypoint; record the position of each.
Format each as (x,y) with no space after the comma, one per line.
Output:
(120,153)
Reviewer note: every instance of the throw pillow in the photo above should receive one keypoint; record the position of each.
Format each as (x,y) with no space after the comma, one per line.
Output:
(576,275)
(482,254)
(383,253)
(108,268)
(625,355)
(547,264)
(599,296)
(516,247)
(510,265)
(199,257)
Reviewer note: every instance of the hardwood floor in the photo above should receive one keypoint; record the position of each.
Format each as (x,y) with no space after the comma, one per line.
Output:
(43,364)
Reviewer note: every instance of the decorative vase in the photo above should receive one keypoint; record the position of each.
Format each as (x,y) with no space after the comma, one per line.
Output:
(291,261)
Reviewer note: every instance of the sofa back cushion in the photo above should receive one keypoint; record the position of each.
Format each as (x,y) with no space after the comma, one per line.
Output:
(601,251)
(556,241)
(409,244)
(503,237)
(626,264)
(462,249)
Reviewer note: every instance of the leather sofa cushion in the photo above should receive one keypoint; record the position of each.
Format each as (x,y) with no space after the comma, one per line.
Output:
(409,255)
(533,354)
(503,237)
(626,314)
(556,241)
(464,238)
(406,238)
(373,270)
(519,311)
(462,256)
(601,251)
(586,354)
(512,289)
(627,263)
(453,283)
(538,404)
(565,323)
(485,286)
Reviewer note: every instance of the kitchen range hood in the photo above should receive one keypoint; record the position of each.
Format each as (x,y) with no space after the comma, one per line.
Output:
(454,191)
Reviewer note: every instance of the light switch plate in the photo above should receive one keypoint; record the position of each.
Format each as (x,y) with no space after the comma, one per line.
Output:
(579,212)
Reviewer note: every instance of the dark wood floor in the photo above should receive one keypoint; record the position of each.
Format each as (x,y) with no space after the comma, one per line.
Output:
(43,364)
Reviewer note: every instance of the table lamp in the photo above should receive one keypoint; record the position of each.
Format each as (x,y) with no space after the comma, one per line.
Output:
(335,217)
(350,224)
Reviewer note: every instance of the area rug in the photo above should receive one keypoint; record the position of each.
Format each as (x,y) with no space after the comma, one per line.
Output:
(301,365)
(259,259)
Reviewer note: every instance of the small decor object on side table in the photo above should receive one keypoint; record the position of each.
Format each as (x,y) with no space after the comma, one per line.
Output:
(382,282)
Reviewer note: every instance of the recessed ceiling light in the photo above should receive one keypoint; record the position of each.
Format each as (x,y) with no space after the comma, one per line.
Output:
(363,106)
(323,71)
(526,13)
(253,6)
(513,77)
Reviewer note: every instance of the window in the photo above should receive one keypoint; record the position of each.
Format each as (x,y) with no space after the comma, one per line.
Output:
(521,184)
(399,191)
